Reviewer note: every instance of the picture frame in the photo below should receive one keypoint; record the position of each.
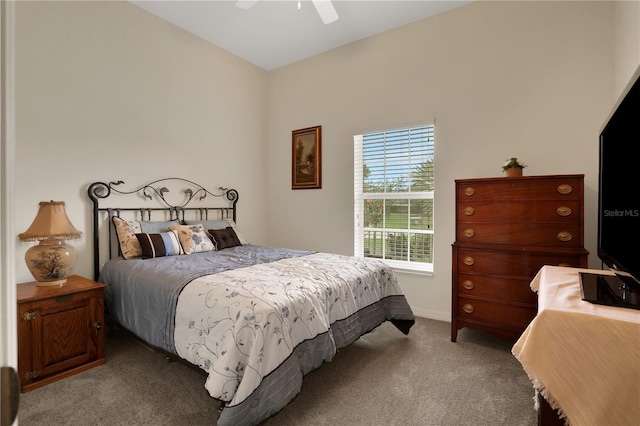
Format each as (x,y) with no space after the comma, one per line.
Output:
(306,158)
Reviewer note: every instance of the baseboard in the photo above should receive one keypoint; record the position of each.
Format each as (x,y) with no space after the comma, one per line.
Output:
(431,314)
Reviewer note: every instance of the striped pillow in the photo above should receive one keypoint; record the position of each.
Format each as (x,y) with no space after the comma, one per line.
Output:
(160,245)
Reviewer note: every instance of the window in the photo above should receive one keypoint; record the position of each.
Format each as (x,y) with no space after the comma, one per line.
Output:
(393,197)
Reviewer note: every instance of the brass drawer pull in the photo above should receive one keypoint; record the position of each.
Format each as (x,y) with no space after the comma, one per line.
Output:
(469,211)
(564,188)
(468,261)
(468,284)
(469,191)
(564,211)
(469,232)
(565,236)
(468,308)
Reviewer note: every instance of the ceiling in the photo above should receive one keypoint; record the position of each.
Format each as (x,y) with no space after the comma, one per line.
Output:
(274,33)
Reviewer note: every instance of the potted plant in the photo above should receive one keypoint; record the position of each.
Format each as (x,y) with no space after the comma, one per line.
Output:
(513,167)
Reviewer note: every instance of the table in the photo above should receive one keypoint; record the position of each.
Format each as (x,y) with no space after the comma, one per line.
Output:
(583,358)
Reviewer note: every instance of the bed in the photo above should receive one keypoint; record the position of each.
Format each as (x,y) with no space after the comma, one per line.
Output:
(182,277)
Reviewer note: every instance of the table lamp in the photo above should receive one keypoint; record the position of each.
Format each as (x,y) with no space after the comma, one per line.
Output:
(51,261)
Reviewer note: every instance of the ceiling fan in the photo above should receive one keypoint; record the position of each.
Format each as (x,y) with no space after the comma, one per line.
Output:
(324,8)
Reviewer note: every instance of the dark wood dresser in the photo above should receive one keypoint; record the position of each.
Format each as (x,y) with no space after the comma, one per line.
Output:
(506,230)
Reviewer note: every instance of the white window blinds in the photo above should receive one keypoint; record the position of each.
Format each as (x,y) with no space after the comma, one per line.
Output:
(393,196)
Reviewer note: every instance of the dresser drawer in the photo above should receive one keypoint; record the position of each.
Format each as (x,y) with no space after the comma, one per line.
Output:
(567,235)
(488,287)
(489,312)
(515,263)
(563,211)
(532,188)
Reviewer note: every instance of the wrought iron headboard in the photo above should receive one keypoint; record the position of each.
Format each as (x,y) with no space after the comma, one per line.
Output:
(156,190)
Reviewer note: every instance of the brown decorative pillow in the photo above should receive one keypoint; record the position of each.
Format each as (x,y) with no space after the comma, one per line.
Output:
(224,238)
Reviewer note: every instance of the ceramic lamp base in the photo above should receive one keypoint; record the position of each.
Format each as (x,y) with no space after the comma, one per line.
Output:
(50,262)
(56,283)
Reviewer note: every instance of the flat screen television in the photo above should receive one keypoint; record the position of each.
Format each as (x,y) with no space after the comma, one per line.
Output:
(619,199)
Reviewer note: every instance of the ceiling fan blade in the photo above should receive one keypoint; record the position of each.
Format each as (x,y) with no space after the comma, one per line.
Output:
(326,10)
(246,4)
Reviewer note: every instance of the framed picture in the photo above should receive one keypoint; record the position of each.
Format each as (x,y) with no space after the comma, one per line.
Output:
(306,170)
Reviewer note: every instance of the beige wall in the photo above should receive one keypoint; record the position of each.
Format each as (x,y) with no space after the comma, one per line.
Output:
(531,80)
(626,42)
(107,91)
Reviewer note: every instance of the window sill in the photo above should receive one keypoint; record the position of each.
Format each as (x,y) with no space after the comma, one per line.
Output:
(405,270)
(404,267)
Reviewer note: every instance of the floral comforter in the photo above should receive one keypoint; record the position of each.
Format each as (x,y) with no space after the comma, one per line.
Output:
(241,325)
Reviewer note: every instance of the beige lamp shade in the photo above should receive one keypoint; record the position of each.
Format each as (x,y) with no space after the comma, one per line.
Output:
(51,261)
(51,222)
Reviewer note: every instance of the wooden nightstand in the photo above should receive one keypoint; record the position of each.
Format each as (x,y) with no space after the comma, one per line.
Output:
(60,330)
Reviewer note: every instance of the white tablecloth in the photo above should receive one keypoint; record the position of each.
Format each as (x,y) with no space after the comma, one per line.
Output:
(584,358)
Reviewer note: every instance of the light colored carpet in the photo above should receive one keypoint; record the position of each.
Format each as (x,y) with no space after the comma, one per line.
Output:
(385,378)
